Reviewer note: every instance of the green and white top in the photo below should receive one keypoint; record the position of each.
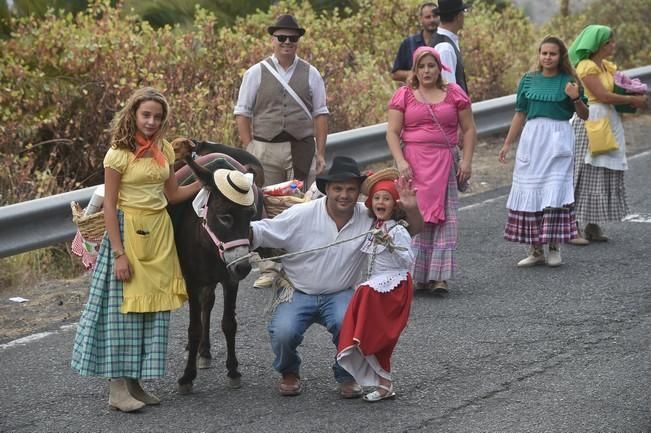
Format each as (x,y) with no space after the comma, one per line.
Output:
(541,96)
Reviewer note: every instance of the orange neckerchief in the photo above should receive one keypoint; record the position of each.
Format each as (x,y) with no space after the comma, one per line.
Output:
(146,145)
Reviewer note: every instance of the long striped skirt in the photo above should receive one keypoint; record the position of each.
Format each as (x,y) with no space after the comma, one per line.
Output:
(599,193)
(435,246)
(111,344)
(551,225)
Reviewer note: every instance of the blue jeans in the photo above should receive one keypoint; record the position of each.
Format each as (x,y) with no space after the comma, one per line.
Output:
(291,320)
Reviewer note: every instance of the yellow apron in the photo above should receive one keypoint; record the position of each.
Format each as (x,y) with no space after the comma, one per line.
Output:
(156,282)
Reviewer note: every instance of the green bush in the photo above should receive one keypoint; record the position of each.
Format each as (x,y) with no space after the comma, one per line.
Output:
(497,48)
(63,76)
(53,262)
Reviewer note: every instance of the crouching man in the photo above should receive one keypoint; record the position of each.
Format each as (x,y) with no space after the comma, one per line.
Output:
(322,281)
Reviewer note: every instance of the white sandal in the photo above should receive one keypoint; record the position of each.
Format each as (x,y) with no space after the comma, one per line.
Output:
(374,396)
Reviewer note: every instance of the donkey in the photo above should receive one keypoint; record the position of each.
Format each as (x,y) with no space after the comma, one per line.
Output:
(205,248)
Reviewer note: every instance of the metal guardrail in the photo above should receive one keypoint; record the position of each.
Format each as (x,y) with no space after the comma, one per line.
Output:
(47,221)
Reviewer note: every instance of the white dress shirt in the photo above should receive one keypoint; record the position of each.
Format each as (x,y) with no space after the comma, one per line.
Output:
(251,83)
(448,56)
(306,226)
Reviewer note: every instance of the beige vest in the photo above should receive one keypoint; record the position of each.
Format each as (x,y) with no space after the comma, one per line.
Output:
(275,111)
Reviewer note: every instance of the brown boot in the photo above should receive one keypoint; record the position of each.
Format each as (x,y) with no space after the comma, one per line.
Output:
(594,233)
(135,389)
(119,397)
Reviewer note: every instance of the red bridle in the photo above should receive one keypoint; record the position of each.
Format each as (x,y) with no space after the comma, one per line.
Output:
(221,246)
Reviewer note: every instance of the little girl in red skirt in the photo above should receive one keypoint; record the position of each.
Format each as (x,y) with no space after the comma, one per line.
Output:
(379,309)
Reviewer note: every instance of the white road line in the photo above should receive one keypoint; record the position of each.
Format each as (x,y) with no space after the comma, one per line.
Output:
(490,200)
(34,337)
(641,154)
(638,218)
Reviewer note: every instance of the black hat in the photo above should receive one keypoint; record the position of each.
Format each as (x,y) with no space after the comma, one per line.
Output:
(343,168)
(447,7)
(286,22)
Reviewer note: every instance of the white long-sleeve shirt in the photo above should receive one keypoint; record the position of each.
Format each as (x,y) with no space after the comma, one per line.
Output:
(306,226)
(448,56)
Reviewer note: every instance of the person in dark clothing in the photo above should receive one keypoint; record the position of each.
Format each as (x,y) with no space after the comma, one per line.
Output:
(429,22)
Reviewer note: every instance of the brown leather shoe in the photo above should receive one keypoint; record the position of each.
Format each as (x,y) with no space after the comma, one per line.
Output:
(350,390)
(579,240)
(290,384)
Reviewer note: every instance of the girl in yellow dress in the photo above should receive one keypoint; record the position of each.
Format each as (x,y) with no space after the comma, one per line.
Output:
(137,281)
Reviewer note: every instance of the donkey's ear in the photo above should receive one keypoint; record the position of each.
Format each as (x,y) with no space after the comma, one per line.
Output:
(204,176)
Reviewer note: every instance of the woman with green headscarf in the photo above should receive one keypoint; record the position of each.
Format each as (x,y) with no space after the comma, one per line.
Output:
(599,191)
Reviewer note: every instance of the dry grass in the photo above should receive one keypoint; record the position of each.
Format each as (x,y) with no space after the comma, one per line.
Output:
(35,266)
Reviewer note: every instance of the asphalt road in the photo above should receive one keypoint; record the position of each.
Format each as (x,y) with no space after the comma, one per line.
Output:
(509,350)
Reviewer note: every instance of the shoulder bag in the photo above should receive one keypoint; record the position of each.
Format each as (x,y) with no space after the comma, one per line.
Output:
(600,136)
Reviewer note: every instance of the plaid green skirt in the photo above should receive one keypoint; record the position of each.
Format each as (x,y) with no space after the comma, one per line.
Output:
(111,344)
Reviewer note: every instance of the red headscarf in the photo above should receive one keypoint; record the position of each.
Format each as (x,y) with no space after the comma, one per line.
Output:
(146,145)
(382,185)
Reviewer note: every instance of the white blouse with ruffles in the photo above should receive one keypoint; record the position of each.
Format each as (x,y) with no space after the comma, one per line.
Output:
(386,269)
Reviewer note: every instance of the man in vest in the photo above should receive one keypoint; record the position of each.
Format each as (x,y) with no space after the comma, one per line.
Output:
(428,22)
(446,41)
(281,112)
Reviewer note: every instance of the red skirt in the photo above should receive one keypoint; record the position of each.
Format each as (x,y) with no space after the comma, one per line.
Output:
(370,331)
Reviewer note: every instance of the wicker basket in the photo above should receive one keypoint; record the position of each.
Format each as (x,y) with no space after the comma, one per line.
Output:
(276,204)
(91,227)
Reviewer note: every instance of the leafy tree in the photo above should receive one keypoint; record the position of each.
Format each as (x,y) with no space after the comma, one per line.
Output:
(160,13)
(172,12)
(5,18)
(23,8)
(628,18)
(498,5)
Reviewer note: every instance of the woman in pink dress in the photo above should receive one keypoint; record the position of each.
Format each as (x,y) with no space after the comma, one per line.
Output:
(424,119)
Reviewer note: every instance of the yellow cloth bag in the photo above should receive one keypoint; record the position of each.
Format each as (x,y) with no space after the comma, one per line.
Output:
(156,283)
(600,136)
